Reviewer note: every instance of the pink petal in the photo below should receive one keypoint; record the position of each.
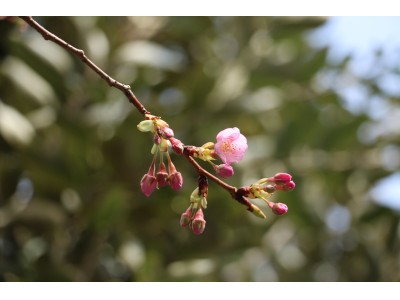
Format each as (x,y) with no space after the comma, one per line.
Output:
(229,133)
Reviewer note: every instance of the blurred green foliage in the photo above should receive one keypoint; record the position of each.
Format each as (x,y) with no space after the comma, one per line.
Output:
(71,158)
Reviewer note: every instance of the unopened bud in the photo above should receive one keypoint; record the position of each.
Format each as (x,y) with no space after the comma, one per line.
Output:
(167,133)
(198,223)
(176,145)
(148,184)
(162,175)
(282,177)
(186,217)
(175,180)
(224,170)
(279,208)
(289,186)
(270,189)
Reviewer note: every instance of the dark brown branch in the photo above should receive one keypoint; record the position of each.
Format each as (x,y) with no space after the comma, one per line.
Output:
(126,89)
(236,194)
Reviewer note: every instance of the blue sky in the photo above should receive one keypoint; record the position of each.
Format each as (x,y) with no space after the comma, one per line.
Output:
(360,38)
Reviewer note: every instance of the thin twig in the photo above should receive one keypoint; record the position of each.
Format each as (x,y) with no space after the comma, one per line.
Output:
(126,89)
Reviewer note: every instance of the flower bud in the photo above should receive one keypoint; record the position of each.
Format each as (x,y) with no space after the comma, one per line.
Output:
(146,125)
(282,177)
(289,186)
(198,223)
(177,145)
(186,218)
(279,208)
(167,132)
(162,175)
(175,180)
(270,189)
(148,184)
(224,170)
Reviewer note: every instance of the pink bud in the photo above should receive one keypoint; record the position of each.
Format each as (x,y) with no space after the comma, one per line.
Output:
(162,175)
(167,133)
(282,177)
(186,217)
(279,208)
(175,180)
(148,184)
(177,145)
(198,224)
(289,186)
(224,170)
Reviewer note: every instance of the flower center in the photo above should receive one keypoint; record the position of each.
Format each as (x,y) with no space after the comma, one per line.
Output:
(227,147)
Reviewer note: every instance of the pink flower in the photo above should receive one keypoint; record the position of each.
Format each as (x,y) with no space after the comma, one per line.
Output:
(231,145)
(224,170)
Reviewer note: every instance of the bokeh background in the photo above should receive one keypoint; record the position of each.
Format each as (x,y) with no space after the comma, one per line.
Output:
(316,97)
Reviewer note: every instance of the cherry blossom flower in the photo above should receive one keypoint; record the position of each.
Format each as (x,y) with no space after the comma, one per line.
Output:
(231,145)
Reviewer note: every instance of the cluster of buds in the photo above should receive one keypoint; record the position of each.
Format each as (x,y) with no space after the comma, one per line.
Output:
(163,138)
(230,148)
(265,187)
(193,217)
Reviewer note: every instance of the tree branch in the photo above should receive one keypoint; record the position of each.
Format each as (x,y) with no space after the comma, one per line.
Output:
(126,89)
(237,194)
